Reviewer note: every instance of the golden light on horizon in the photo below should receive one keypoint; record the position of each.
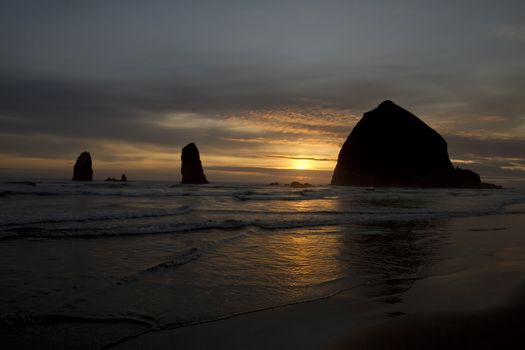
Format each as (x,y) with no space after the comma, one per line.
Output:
(302,164)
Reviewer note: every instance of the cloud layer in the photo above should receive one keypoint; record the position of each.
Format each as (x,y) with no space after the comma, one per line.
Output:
(255,85)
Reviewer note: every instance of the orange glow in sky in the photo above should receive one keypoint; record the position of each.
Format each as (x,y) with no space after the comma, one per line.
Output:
(290,144)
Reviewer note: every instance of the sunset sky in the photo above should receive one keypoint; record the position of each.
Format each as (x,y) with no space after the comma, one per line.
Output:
(267,90)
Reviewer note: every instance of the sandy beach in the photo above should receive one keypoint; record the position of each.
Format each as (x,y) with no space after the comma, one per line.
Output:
(471,298)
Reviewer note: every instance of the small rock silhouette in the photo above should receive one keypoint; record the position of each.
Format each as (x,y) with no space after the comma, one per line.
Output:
(83,171)
(191,166)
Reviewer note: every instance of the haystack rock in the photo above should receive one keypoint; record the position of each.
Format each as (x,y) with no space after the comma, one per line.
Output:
(191,169)
(390,146)
(83,171)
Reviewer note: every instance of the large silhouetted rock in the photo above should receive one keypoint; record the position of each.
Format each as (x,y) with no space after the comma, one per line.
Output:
(191,168)
(390,146)
(83,171)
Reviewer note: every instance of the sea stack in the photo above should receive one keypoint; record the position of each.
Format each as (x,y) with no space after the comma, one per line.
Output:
(83,171)
(191,169)
(390,146)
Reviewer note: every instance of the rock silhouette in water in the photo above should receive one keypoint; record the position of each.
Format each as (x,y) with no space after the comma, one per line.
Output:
(83,171)
(298,184)
(191,169)
(123,178)
(390,146)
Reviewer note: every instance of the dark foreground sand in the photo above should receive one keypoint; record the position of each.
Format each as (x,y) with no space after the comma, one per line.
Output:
(500,328)
(473,297)
(479,306)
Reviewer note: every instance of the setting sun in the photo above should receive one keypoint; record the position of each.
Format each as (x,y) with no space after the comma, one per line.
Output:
(302,164)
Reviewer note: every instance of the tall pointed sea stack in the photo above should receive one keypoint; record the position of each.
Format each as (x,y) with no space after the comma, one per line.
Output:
(83,171)
(390,146)
(191,169)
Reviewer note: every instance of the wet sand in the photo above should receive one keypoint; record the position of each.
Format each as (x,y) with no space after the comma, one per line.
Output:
(471,298)
(476,300)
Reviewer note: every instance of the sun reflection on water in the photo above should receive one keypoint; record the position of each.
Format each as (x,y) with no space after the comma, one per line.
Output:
(309,257)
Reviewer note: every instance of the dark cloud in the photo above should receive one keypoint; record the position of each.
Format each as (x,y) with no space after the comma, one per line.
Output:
(466,146)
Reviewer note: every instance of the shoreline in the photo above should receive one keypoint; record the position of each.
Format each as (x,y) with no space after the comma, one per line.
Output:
(475,283)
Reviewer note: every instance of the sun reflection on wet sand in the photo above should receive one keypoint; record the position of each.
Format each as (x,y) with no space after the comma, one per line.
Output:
(309,257)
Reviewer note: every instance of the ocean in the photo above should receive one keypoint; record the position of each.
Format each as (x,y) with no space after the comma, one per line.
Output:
(141,256)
